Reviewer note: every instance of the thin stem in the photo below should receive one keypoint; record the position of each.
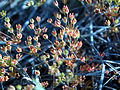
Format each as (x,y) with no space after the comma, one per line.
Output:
(1,86)
(6,35)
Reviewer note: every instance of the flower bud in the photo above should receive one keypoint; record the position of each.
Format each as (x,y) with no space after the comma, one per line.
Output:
(107,22)
(89,1)
(55,3)
(38,30)
(18,56)
(64,19)
(58,16)
(60,36)
(4,49)
(6,78)
(7,19)
(35,38)
(7,24)
(45,36)
(38,44)
(73,21)
(49,20)
(31,26)
(97,10)
(54,33)
(43,1)
(62,31)
(79,44)
(74,35)
(66,52)
(37,72)
(53,51)
(31,47)
(116,21)
(43,57)
(66,30)
(107,71)
(60,62)
(55,57)
(71,16)
(8,42)
(70,33)
(44,29)
(10,30)
(27,3)
(115,29)
(89,69)
(57,23)
(14,62)
(115,9)
(62,43)
(2,70)
(82,59)
(68,63)
(34,50)
(19,35)
(56,43)
(3,13)
(25,69)
(31,3)
(47,55)
(65,9)
(0,56)
(19,49)
(29,38)
(2,79)
(18,26)
(38,19)
(8,47)
(32,20)
(77,33)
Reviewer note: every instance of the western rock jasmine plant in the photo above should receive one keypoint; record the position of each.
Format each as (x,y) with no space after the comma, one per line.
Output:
(65,64)
(107,8)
